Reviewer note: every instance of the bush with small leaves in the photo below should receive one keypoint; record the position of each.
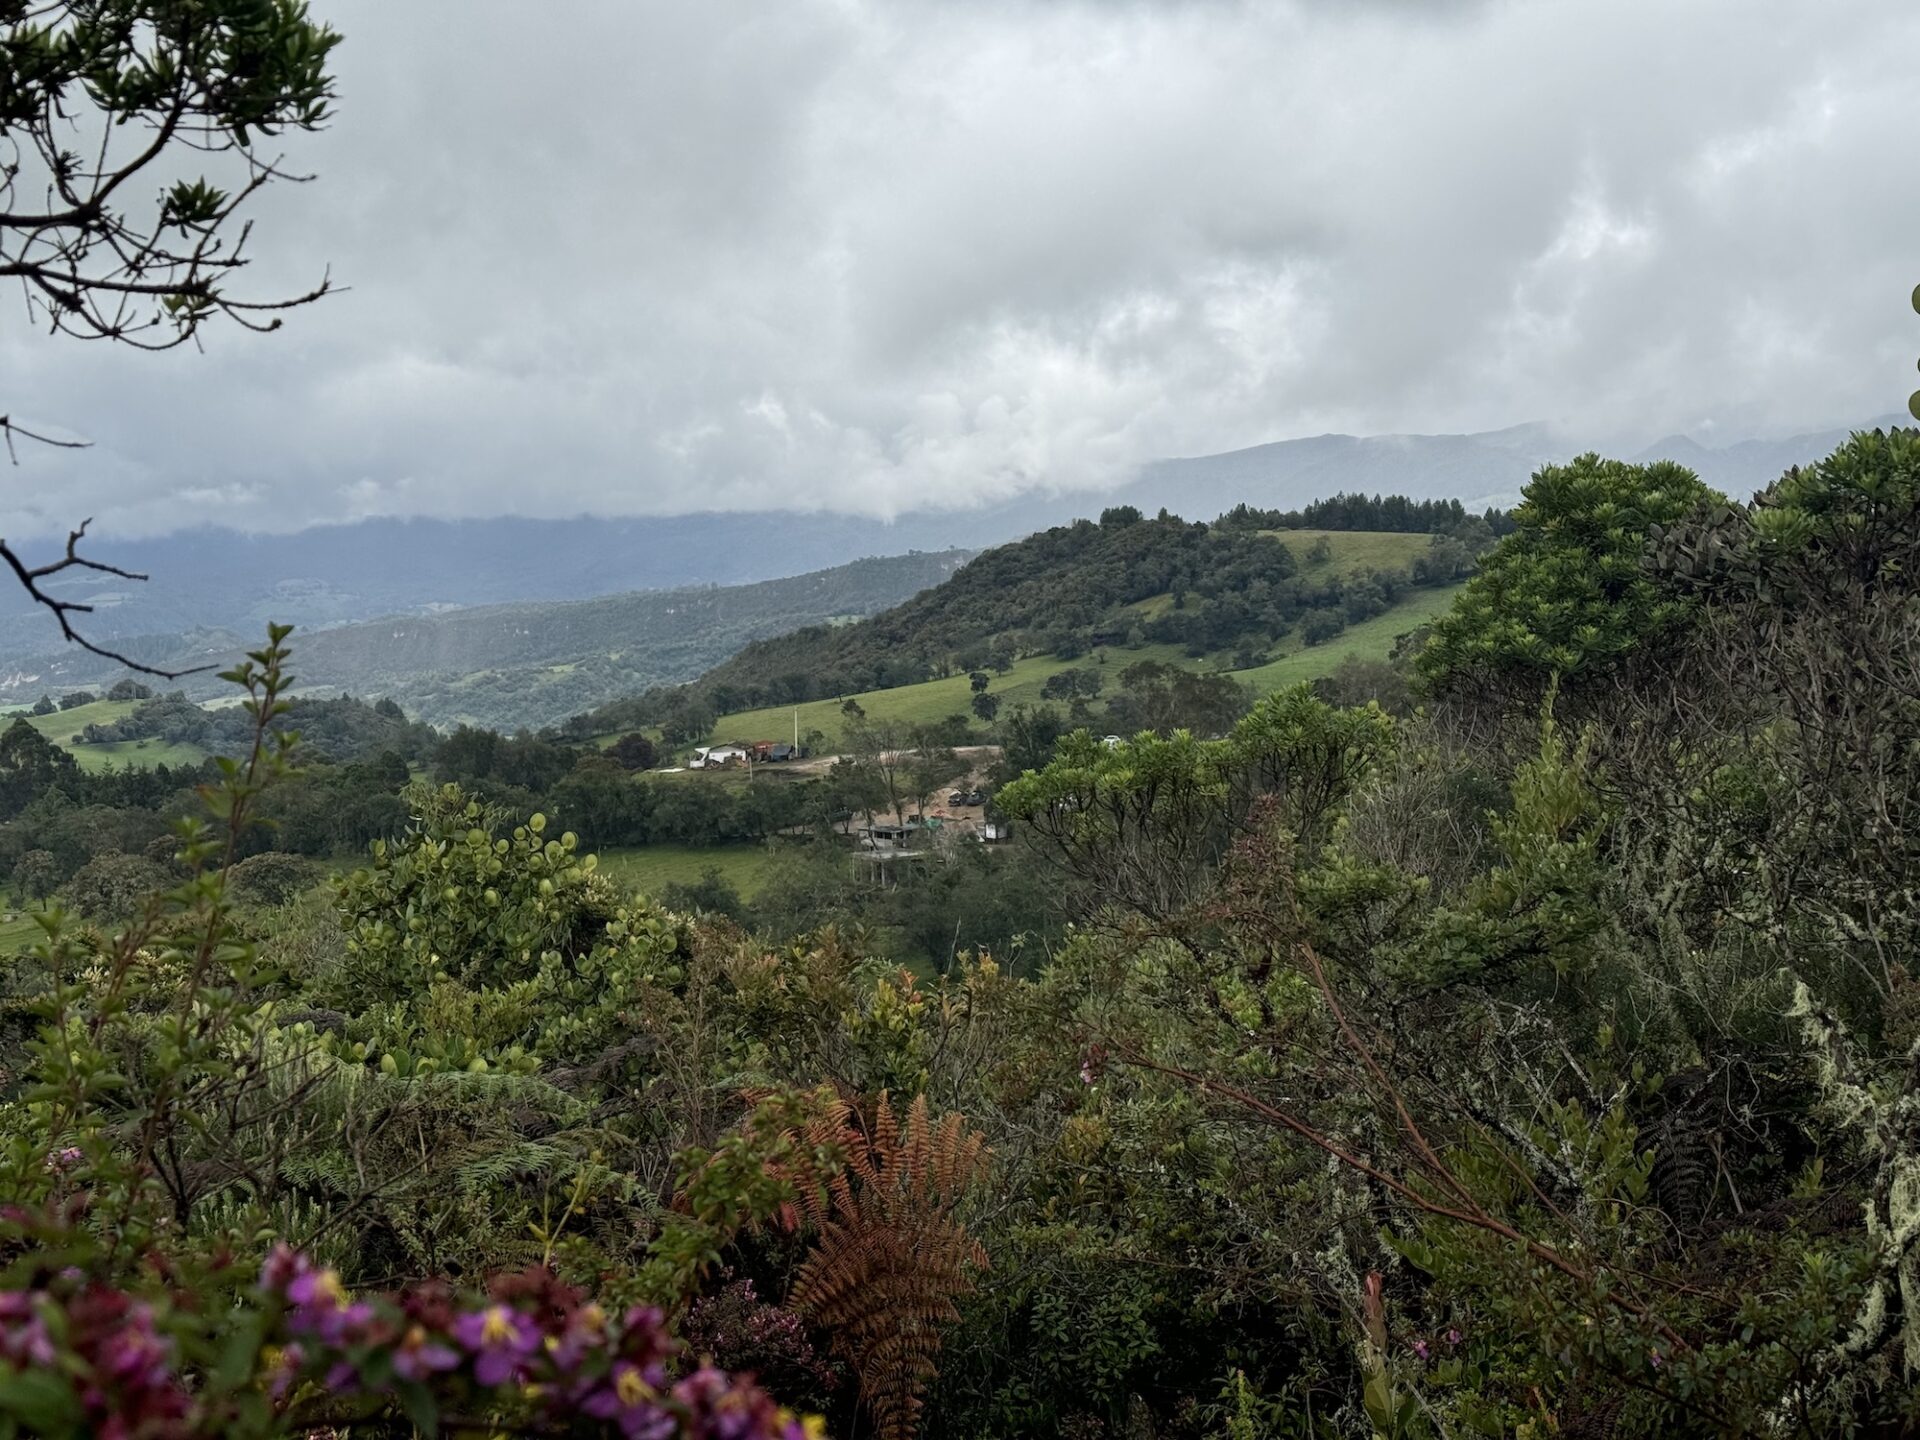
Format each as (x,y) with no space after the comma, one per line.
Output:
(114,887)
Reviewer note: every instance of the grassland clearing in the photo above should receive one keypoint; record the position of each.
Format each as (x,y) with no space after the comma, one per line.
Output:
(1369,640)
(930,700)
(1353,551)
(18,930)
(64,727)
(647,868)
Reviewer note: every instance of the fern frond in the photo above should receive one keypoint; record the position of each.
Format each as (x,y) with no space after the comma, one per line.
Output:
(890,1257)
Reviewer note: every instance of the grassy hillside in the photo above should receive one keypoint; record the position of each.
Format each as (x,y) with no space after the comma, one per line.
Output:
(138,754)
(1162,588)
(934,700)
(1072,583)
(62,726)
(1353,550)
(172,730)
(1350,553)
(18,930)
(920,704)
(1369,640)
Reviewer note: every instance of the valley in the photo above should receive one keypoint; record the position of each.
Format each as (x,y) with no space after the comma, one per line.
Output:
(223,584)
(1063,771)
(527,664)
(841,721)
(1034,639)
(407,653)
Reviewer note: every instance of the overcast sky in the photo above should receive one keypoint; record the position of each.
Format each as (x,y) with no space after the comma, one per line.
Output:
(623,256)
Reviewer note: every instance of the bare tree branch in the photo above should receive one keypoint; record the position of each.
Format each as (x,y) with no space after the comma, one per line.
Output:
(30,577)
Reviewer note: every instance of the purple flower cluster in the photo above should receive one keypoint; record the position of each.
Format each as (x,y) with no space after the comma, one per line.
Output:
(533,1347)
(1452,1339)
(123,1385)
(738,1331)
(542,1343)
(24,1341)
(502,1341)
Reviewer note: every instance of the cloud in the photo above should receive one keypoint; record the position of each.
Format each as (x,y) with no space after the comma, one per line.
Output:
(879,255)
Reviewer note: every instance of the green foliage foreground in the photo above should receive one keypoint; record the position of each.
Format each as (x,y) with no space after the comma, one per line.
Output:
(1540,1063)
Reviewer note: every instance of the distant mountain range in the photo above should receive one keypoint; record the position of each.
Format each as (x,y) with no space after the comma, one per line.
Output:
(218,580)
(1490,468)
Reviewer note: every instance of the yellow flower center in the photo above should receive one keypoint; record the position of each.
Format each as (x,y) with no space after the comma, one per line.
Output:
(497,1327)
(631,1388)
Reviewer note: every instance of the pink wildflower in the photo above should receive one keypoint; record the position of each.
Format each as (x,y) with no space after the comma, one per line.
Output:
(23,1333)
(500,1340)
(418,1355)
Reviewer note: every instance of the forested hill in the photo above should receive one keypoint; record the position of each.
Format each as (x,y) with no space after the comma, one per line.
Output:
(528,665)
(1124,581)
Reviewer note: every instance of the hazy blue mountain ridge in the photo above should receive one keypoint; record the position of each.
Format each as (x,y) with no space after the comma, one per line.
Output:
(220,581)
(525,664)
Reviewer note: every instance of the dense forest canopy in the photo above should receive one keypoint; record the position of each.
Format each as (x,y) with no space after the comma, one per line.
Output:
(1567,591)
(1514,1037)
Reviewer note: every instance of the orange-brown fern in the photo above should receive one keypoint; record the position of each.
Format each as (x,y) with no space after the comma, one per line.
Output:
(891,1258)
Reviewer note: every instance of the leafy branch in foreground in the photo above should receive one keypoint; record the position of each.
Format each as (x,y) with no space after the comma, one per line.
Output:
(101,93)
(96,95)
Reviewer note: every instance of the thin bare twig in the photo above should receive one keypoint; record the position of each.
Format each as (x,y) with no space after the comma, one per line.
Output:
(31,576)
(10,428)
